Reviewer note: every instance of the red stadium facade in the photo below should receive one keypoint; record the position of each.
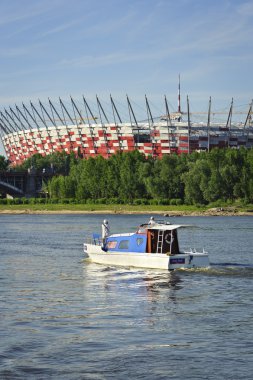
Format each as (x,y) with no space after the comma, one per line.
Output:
(49,128)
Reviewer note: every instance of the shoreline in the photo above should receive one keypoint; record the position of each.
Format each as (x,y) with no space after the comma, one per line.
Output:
(164,213)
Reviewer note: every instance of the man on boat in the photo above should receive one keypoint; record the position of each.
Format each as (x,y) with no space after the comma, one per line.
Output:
(105,231)
(151,221)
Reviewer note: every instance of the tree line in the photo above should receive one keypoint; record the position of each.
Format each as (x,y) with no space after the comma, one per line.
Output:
(130,177)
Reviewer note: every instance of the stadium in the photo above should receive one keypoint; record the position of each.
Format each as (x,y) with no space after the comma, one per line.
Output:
(87,130)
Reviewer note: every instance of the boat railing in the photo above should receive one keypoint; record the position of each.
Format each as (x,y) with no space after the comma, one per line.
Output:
(95,239)
(161,221)
(195,251)
(156,221)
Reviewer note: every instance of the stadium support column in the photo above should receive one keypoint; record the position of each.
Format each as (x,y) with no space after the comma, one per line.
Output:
(54,110)
(18,136)
(131,112)
(6,130)
(13,120)
(2,132)
(41,119)
(26,111)
(100,109)
(208,125)
(248,118)
(11,130)
(43,109)
(17,116)
(229,122)
(33,117)
(115,112)
(149,114)
(77,124)
(2,129)
(189,124)
(70,118)
(179,96)
(151,127)
(39,132)
(168,121)
(87,108)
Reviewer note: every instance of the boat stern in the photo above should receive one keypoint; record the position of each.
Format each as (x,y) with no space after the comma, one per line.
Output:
(189,260)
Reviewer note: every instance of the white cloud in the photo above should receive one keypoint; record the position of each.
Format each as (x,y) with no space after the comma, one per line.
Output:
(60,28)
(109,59)
(14,12)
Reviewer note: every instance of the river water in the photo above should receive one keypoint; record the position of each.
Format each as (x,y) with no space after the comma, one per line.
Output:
(62,317)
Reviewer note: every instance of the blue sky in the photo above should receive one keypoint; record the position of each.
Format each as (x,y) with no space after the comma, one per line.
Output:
(55,48)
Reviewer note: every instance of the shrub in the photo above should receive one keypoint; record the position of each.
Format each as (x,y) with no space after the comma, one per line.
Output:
(41,201)
(65,201)
(218,203)
(176,202)
(153,202)
(17,201)
(199,205)
(137,202)
(163,202)
(101,201)
(54,201)
(32,201)
(72,201)
(113,201)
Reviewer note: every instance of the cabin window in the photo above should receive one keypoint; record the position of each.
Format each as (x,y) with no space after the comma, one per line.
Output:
(124,244)
(142,230)
(112,244)
(139,241)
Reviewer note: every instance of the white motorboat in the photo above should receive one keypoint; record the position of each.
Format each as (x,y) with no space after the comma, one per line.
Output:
(151,246)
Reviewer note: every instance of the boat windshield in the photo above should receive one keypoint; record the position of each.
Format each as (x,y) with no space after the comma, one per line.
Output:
(142,229)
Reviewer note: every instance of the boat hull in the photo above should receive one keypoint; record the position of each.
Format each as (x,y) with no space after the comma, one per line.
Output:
(185,260)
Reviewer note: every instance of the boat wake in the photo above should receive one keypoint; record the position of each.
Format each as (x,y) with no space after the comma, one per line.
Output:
(232,265)
(225,269)
(157,278)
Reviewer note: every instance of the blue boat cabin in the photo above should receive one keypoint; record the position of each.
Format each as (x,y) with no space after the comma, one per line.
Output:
(146,239)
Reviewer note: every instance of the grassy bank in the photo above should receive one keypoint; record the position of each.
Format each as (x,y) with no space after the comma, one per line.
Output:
(127,209)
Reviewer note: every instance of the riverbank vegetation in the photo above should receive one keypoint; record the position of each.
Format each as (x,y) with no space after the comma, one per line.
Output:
(220,178)
(33,206)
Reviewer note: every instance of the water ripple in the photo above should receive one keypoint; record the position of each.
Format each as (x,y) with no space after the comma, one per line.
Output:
(63,317)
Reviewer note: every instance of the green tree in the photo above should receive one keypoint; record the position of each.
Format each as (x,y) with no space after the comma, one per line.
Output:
(3,163)
(222,174)
(131,185)
(196,182)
